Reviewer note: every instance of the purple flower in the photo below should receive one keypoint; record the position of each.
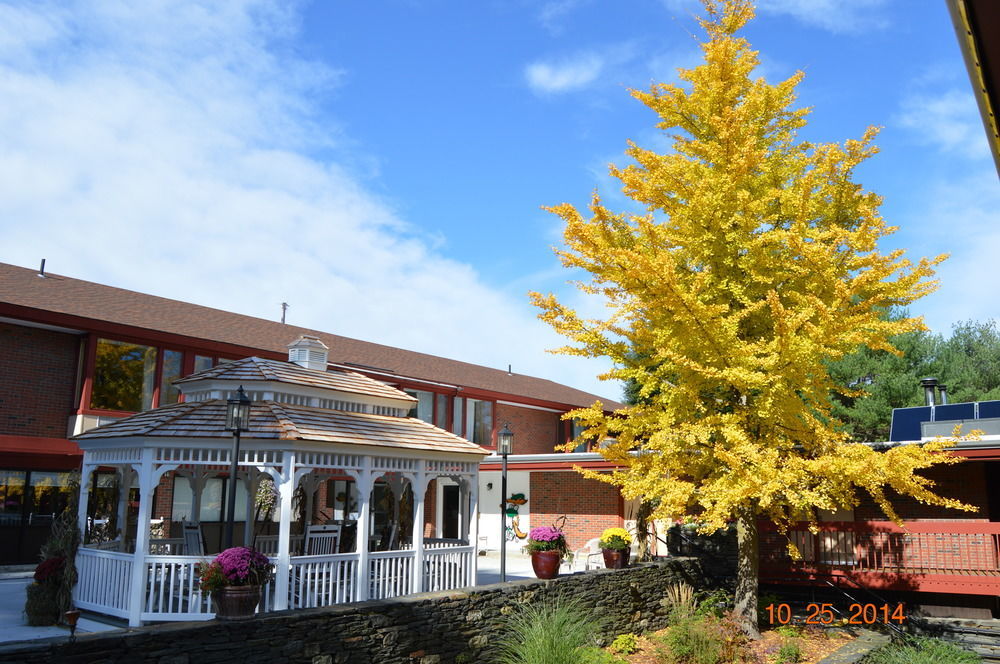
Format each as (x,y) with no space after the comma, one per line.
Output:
(545,534)
(238,566)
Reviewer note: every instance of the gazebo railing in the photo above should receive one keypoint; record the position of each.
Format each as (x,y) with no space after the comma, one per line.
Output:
(321,580)
(390,573)
(172,591)
(104,581)
(447,568)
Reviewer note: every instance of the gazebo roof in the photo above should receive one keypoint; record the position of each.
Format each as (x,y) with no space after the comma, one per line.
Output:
(254,369)
(271,420)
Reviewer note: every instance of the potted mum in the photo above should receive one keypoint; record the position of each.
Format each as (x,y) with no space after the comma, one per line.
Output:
(547,546)
(234,578)
(616,546)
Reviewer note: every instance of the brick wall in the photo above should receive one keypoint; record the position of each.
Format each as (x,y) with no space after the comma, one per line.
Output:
(38,381)
(590,506)
(431,628)
(535,431)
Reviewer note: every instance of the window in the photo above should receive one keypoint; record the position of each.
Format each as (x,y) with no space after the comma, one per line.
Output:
(479,421)
(441,411)
(124,376)
(51,492)
(173,364)
(201,363)
(575,430)
(342,498)
(12,496)
(212,500)
(424,408)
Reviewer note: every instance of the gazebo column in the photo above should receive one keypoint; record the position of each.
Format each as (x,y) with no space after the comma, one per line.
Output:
(365,481)
(86,475)
(418,483)
(137,590)
(286,487)
(124,485)
(251,481)
(472,531)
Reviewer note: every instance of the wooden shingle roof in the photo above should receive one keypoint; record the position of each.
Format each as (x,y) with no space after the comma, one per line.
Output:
(251,369)
(23,294)
(270,420)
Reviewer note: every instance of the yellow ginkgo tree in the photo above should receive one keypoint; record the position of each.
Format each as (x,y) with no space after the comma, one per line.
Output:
(755,262)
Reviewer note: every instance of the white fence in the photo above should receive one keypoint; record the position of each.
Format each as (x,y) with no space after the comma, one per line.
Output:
(172,592)
(105,578)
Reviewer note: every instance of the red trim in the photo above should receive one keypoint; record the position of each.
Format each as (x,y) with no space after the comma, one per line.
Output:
(957,584)
(980,454)
(550,465)
(31,452)
(90,362)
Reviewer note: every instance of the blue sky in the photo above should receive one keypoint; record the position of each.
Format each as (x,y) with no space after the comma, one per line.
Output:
(381,166)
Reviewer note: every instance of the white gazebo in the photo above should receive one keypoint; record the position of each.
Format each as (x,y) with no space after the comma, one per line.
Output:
(306,424)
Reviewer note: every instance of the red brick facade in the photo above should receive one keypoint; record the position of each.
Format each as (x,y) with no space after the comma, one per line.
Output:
(535,431)
(590,506)
(37,382)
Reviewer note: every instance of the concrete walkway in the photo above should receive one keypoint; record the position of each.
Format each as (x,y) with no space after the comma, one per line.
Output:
(14,626)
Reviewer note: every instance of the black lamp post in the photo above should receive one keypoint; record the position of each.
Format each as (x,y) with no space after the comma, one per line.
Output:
(505,445)
(237,420)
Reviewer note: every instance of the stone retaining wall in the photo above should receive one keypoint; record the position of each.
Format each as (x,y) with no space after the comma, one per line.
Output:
(431,628)
(979,636)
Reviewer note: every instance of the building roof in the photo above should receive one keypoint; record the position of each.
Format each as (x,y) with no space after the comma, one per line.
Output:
(88,301)
(977,24)
(251,369)
(270,420)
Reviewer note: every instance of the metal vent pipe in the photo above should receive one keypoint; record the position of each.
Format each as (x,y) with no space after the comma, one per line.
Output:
(929,385)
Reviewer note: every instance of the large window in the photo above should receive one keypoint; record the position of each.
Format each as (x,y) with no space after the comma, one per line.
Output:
(124,376)
(424,408)
(342,499)
(441,412)
(51,492)
(479,421)
(173,365)
(12,494)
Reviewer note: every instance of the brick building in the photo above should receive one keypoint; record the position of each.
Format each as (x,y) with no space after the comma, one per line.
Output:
(76,354)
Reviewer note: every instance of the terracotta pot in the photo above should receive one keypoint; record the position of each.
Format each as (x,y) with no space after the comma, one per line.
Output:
(615,558)
(236,602)
(546,563)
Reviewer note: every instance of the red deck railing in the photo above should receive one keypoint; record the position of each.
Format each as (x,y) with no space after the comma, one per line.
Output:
(935,556)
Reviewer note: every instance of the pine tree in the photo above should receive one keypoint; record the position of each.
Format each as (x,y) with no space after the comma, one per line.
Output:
(755,265)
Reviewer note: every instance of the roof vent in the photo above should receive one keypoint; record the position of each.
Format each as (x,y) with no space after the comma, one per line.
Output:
(308,352)
(929,384)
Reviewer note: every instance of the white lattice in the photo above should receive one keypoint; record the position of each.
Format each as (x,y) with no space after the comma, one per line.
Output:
(451,467)
(393,464)
(125,455)
(326,460)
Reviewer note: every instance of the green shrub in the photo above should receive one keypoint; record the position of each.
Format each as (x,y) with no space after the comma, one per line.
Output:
(790,652)
(704,640)
(625,644)
(788,631)
(594,655)
(547,633)
(921,651)
(714,602)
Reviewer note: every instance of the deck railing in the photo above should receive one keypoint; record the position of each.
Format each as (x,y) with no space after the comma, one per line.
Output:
(390,573)
(931,549)
(447,568)
(172,590)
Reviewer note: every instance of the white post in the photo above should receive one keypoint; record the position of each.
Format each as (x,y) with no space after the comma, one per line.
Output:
(309,485)
(147,483)
(419,486)
(285,491)
(251,481)
(124,486)
(474,526)
(81,507)
(365,482)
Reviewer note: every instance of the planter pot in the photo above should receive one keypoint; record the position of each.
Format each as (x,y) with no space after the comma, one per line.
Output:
(236,602)
(546,563)
(615,558)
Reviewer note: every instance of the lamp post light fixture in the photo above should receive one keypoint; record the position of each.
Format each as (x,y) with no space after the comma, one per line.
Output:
(505,445)
(237,420)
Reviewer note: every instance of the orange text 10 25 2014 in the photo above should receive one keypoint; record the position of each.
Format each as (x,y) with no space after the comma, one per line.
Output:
(827,614)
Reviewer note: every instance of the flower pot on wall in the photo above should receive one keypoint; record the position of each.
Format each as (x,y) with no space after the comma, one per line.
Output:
(236,602)
(615,558)
(546,563)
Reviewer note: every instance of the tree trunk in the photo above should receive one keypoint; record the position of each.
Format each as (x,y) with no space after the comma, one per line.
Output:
(642,530)
(747,570)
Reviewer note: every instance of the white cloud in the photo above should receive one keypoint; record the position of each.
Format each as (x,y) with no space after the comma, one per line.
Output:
(946,119)
(168,148)
(565,75)
(837,16)
(553,12)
